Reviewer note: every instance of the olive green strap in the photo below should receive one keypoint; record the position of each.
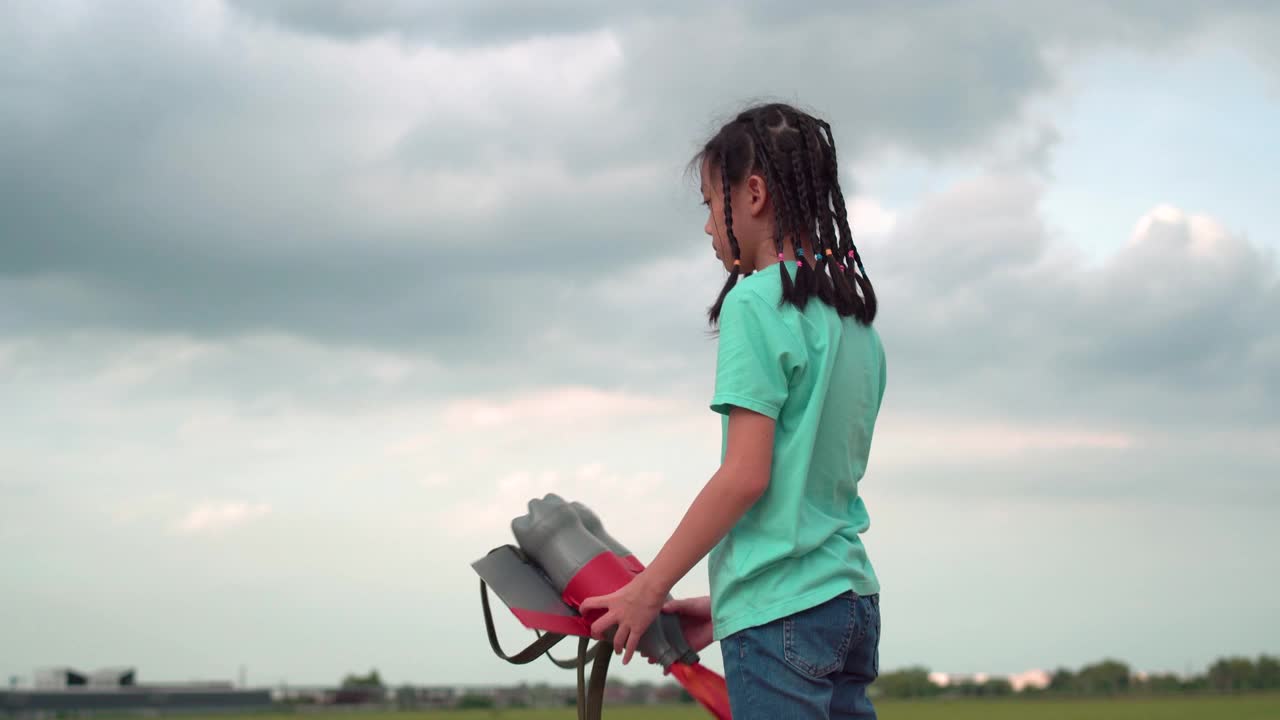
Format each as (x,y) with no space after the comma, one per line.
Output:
(582,678)
(590,694)
(595,690)
(571,663)
(535,650)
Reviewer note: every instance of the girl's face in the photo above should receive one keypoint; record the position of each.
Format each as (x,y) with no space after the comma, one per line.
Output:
(749,203)
(713,199)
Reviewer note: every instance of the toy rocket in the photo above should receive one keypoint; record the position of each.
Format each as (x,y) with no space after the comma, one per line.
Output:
(564,556)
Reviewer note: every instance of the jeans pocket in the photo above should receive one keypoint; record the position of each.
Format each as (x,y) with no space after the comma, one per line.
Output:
(875,653)
(816,641)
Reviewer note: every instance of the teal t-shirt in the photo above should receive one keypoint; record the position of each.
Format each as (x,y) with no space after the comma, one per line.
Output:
(821,377)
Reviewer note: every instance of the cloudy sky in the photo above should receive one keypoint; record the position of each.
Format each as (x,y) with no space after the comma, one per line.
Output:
(300,302)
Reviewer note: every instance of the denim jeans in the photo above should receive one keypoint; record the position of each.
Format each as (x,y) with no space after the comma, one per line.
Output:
(816,663)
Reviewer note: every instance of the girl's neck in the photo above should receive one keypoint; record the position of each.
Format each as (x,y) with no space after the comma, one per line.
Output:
(766,255)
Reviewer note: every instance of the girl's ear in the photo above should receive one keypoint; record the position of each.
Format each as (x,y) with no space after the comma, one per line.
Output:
(757,194)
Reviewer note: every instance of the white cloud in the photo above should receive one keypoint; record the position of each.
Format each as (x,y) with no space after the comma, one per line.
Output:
(636,506)
(214,517)
(1199,235)
(557,405)
(868,217)
(906,441)
(432,481)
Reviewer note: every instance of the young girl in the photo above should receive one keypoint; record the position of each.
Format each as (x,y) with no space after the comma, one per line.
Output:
(799,380)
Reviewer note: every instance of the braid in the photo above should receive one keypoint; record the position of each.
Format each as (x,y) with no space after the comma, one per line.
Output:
(789,214)
(714,312)
(812,198)
(793,217)
(864,306)
(804,274)
(821,237)
(841,292)
(774,185)
(837,198)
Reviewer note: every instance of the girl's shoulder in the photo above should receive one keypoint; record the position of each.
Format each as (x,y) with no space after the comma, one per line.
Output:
(765,284)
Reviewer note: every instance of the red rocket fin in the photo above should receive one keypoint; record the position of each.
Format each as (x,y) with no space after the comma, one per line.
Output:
(706,686)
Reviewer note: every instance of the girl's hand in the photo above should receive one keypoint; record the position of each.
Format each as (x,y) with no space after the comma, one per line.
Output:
(695,620)
(632,608)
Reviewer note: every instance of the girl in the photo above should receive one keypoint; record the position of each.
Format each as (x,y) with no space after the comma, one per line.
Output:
(800,377)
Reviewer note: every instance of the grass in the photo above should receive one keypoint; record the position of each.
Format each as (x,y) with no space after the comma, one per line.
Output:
(1245,707)
(1249,707)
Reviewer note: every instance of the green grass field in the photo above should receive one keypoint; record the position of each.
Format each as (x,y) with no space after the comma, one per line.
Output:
(1250,707)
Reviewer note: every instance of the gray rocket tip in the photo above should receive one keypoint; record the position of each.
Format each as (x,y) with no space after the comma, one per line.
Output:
(538,509)
(548,500)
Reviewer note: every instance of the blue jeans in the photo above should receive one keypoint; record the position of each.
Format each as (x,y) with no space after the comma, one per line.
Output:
(816,663)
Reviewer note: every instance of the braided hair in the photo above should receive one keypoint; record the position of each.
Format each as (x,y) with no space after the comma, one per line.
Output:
(796,154)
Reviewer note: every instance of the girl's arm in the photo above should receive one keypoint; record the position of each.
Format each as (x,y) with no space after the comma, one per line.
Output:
(742,478)
(732,490)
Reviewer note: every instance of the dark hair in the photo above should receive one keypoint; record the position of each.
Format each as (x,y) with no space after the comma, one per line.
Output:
(796,153)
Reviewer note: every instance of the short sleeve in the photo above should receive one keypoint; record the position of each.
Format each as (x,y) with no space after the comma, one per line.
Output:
(757,356)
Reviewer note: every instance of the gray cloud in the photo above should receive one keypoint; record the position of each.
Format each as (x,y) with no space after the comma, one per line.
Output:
(1175,328)
(222,176)
(217,194)
(454,22)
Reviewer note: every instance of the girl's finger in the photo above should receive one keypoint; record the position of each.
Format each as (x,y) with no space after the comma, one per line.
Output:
(633,641)
(604,623)
(620,638)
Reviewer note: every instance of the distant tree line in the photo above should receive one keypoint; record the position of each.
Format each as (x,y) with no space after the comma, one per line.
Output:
(1105,678)
(372,680)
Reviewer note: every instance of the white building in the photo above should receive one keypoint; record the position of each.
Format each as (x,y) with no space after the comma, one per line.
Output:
(948,679)
(59,678)
(62,677)
(1038,679)
(113,677)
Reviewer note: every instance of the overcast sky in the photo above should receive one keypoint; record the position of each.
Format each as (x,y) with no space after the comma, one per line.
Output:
(300,302)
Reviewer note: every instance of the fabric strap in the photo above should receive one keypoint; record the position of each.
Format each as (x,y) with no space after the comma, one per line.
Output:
(590,693)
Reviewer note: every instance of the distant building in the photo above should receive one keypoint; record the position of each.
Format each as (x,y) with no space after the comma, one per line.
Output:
(63,690)
(1037,679)
(409,697)
(302,694)
(59,678)
(942,679)
(113,677)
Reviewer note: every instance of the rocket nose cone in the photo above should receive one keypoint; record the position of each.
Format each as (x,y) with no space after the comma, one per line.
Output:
(548,503)
(539,510)
(585,513)
(520,525)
